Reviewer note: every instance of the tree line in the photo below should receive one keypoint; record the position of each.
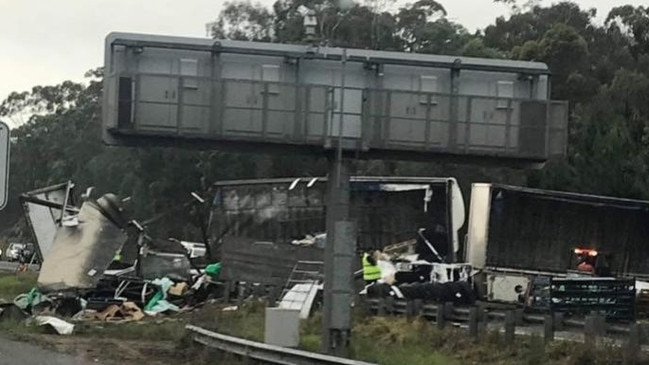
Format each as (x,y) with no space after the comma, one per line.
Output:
(601,69)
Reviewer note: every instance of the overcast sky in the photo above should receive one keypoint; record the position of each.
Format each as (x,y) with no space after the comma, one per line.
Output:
(44,42)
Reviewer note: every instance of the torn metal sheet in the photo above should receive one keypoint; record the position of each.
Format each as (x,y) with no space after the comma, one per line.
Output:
(80,254)
(42,210)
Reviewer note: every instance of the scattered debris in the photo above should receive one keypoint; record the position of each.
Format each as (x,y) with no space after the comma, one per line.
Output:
(301,297)
(100,265)
(213,270)
(456,292)
(318,240)
(178,290)
(194,249)
(31,299)
(60,326)
(159,304)
(126,312)
(10,312)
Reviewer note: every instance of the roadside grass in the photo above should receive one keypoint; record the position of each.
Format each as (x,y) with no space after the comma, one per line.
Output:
(148,329)
(382,340)
(400,341)
(12,284)
(379,340)
(245,322)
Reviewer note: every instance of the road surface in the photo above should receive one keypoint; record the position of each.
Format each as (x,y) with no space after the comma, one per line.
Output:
(13,352)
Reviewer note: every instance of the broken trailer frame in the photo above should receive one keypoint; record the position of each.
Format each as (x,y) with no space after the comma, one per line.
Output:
(77,246)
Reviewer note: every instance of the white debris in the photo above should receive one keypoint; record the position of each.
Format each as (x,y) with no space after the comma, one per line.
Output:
(301,297)
(60,326)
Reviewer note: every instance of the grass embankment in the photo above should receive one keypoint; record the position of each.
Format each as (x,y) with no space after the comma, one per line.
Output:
(383,340)
(13,284)
(399,341)
(151,341)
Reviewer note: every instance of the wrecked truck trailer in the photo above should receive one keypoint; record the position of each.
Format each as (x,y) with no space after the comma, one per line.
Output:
(83,249)
(80,247)
(261,224)
(524,241)
(101,219)
(533,229)
(101,265)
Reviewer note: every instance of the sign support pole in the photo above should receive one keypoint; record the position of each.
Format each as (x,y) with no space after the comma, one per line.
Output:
(339,257)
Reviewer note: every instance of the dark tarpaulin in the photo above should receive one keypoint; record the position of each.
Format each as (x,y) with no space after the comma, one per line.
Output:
(537,230)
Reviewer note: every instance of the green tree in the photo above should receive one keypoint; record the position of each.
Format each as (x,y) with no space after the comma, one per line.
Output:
(602,70)
(244,21)
(633,22)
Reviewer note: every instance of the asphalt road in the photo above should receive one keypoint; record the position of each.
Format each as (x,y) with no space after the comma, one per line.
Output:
(13,352)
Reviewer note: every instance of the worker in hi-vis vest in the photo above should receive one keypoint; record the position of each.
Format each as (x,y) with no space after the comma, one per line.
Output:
(371,269)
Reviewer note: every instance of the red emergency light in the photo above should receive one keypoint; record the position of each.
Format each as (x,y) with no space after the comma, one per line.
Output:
(585,251)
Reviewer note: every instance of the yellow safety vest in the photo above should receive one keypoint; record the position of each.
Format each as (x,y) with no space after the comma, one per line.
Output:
(370,272)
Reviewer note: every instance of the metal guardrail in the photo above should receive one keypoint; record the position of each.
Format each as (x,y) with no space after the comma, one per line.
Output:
(462,314)
(12,266)
(263,352)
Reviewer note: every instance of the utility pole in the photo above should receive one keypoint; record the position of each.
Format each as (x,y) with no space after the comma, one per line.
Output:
(341,244)
(340,248)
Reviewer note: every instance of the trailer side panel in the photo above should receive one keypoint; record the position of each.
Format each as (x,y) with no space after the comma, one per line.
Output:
(533,229)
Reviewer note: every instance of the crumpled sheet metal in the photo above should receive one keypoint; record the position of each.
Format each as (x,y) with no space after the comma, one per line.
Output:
(80,254)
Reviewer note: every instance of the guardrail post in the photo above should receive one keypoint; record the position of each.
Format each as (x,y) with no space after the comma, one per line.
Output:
(243,292)
(510,326)
(473,322)
(483,319)
(417,306)
(633,344)
(410,309)
(520,316)
(440,316)
(448,310)
(548,328)
(258,290)
(558,321)
(365,306)
(593,329)
(227,290)
(389,305)
(482,309)
(381,307)
(273,295)
(644,332)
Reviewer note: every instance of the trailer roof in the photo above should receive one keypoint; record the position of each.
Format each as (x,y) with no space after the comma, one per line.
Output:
(578,197)
(353,179)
